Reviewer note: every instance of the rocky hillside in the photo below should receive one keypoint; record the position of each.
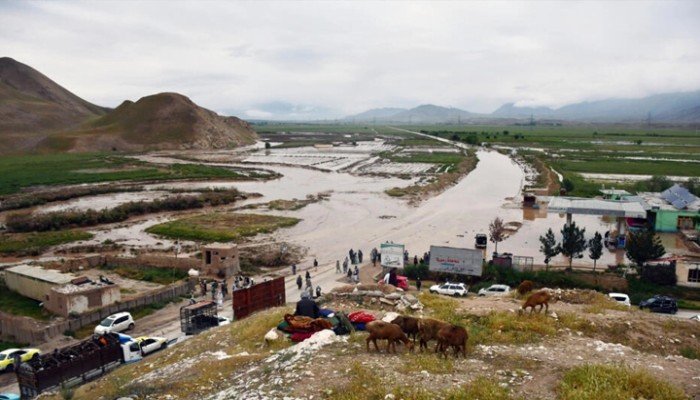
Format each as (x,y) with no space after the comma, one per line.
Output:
(160,121)
(36,113)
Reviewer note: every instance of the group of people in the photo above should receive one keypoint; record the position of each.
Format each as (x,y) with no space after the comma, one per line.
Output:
(423,260)
(219,289)
(309,287)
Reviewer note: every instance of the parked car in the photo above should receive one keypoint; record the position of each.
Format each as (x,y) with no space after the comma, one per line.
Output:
(151,344)
(660,304)
(450,289)
(620,298)
(223,320)
(494,290)
(401,280)
(9,396)
(118,322)
(7,357)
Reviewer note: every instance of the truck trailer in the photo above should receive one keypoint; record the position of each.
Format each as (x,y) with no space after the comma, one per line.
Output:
(76,364)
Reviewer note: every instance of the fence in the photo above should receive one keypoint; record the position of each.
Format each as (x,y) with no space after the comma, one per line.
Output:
(27,330)
(258,297)
(141,260)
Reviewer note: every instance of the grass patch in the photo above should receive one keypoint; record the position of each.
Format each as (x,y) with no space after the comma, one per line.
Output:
(365,384)
(692,353)
(148,309)
(221,227)
(16,304)
(614,382)
(11,345)
(163,276)
(415,363)
(35,243)
(19,172)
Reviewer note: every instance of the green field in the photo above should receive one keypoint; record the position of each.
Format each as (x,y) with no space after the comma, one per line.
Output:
(19,172)
(17,304)
(221,227)
(36,242)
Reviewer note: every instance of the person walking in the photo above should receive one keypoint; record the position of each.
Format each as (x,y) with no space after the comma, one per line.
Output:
(359,256)
(214,286)
(315,263)
(345,265)
(294,269)
(337,266)
(308,275)
(224,289)
(349,274)
(299,282)
(418,283)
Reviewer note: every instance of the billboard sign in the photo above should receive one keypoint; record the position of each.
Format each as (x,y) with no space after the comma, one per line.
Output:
(454,260)
(392,255)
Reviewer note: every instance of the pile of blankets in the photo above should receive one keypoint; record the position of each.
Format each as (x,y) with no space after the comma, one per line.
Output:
(300,328)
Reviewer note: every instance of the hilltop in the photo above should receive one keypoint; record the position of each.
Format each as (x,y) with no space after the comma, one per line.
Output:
(160,121)
(426,113)
(36,113)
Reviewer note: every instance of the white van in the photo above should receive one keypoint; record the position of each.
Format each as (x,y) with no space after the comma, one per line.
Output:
(620,298)
(118,322)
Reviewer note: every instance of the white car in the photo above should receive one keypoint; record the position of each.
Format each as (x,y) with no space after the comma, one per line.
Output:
(620,298)
(495,290)
(118,322)
(149,344)
(450,289)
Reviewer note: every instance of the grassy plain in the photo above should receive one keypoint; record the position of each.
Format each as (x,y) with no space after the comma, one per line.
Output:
(221,227)
(19,172)
(16,304)
(36,242)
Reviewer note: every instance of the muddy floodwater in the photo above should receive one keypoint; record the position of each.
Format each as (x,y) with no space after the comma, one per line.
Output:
(359,214)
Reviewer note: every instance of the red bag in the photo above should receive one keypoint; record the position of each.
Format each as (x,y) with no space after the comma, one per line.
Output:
(361,316)
(300,336)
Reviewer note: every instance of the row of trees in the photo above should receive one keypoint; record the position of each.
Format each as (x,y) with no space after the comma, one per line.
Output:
(641,247)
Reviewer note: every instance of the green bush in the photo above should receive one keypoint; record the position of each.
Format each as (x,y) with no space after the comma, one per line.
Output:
(419,270)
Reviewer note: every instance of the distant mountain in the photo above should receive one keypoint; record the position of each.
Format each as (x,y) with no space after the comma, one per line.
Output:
(679,107)
(160,121)
(37,113)
(427,113)
(32,104)
(376,113)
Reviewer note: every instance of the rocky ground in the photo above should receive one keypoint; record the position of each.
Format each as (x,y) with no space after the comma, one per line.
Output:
(520,355)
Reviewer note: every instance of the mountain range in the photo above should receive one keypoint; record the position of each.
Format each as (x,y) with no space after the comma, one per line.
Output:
(673,108)
(36,113)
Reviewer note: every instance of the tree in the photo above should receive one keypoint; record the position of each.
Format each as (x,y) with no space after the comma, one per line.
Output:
(497,231)
(573,242)
(642,246)
(595,248)
(548,247)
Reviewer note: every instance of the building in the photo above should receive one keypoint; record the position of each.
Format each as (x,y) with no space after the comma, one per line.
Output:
(62,293)
(614,194)
(688,273)
(35,282)
(221,260)
(673,210)
(82,296)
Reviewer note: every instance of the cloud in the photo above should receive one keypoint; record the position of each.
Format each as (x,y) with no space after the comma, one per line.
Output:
(326,59)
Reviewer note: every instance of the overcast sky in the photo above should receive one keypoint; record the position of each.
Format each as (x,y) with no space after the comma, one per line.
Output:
(328,59)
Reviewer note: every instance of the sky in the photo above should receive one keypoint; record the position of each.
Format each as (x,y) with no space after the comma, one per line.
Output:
(316,60)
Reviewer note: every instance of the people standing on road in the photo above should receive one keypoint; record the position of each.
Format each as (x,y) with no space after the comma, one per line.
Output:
(224,289)
(359,256)
(203,287)
(294,269)
(415,260)
(356,275)
(214,286)
(357,270)
(308,284)
(345,265)
(349,274)
(418,283)
(337,266)
(315,263)
(299,281)
(350,254)
(308,274)
(318,291)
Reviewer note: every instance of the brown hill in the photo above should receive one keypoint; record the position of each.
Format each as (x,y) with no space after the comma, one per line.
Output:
(31,102)
(37,113)
(160,121)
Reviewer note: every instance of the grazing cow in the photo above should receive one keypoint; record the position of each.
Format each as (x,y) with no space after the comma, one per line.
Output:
(525,287)
(453,336)
(540,298)
(409,325)
(385,330)
(427,330)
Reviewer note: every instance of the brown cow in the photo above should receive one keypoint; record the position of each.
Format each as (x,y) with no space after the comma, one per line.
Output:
(540,298)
